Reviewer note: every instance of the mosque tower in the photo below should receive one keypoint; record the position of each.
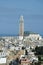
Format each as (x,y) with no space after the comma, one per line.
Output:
(21,28)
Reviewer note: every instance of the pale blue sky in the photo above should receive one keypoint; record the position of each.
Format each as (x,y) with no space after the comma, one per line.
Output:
(10,11)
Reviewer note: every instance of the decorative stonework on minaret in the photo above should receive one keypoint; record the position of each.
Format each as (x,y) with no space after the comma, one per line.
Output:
(21,27)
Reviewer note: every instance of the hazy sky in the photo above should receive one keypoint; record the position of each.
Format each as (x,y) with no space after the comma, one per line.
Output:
(11,10)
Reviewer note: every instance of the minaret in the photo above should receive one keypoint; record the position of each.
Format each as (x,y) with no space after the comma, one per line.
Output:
(21,27)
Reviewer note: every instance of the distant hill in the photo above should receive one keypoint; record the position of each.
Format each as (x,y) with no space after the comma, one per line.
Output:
(26,33)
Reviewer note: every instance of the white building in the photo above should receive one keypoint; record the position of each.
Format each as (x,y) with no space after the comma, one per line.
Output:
(35,37)
(3,58)
(3,61)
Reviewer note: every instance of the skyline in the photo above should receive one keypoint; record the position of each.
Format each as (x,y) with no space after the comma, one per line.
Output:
(11,10)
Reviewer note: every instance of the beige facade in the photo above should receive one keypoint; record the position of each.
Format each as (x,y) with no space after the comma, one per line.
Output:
(3,64)
(25,63)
